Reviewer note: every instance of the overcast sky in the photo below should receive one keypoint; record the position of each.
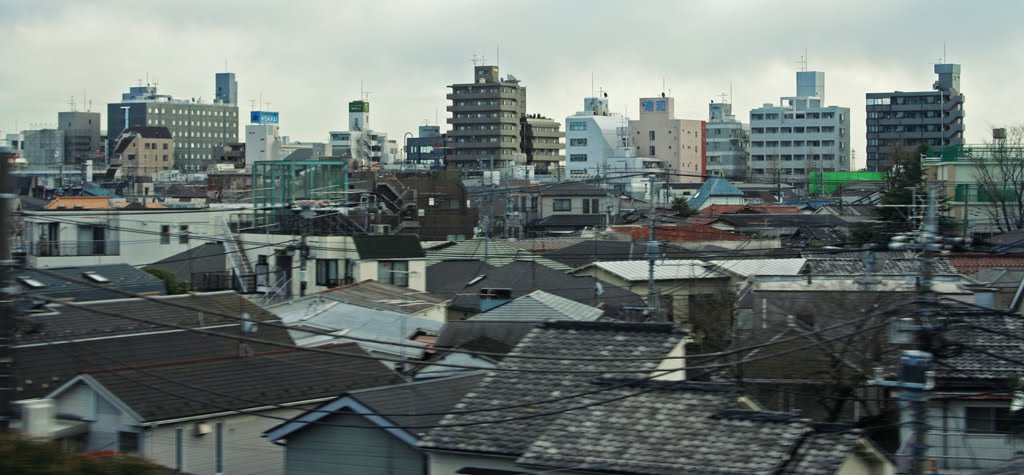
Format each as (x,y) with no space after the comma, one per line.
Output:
(307,58)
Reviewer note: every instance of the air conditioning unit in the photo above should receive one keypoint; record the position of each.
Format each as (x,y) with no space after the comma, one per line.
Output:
(202,428)
(381,229)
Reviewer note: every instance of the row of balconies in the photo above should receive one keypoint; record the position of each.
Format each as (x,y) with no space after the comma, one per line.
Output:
(103,247)
(482,95)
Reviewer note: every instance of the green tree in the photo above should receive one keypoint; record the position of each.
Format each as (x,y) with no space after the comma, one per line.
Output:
(171,283)
(682,208)
(28,457)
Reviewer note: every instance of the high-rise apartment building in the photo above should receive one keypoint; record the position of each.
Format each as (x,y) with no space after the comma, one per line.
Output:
(486,121)
(360,142)
(800,135)
(677,143)
(901,121)
(200,129)
(727,142)
(542,143)
(227,88)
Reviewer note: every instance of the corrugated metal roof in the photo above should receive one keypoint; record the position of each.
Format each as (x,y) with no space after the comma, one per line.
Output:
(541,306)
(749,267)
(382,296)
(498,254)
(671,269)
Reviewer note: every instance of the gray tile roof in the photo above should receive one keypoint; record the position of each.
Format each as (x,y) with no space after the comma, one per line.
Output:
(52,348)
(567,339)
(498,253)
(541,306)
(382,296)
(586,252)
(122,277)
(992,348)
(822,452)
(881,266)
(209,257)
(155,393)
(450,279)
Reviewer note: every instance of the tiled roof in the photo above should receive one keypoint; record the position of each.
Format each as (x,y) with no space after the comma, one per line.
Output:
(968,264)
(121,276)
(751,267)
(238,382)
(714,186)
(209,257)
(407,405)
(586,252)
(451,278)
(881,266)
(498,253)
(685,429)
(554,339)
(54,347)
(570,188)
(541,306)
(668,269)
(545,244)
(992,348)
(383,296)
(148,132)
(749,209)
(684,233)
(80,202)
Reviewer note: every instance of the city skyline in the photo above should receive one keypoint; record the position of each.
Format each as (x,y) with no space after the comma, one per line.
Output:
(309,59)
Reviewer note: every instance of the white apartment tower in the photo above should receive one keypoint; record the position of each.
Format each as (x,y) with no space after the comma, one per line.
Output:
(800,135)
(727,142)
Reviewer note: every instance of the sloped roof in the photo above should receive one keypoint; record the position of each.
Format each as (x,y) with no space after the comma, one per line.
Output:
(156,393)
(452,278)
(80,202)
(205,258)
(882,266)
(586,252)
(714,186)
(749,209)
(968,264)
(682,233)
(572,188)
(383,296)
(121,276)
(669,269)
(992,349)
(823,452)
(498,253)
(541,306)
(751,267)
(552,339)
(545,244)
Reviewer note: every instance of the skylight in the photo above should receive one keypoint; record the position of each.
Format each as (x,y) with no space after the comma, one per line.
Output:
(31,283)
(96,277)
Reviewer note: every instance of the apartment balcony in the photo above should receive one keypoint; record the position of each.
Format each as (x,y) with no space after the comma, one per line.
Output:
(546,146)
(74,248)
(483,108)
(482,95)
(455,134)
(484,144)
(482,120)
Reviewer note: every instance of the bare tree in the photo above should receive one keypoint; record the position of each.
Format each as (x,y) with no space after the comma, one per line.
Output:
(1000,180)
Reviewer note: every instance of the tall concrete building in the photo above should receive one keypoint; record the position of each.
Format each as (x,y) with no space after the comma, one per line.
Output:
(263,141)
(428,148)
(486,121)
(360,142)
(727,142)
(799,135)
(901,121)
(542,143)
(227,88)
(200,129)
(677,143)
(81,136)
(44,147)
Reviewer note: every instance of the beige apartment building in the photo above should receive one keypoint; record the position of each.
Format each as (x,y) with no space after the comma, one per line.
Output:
(144,151)
(677,143)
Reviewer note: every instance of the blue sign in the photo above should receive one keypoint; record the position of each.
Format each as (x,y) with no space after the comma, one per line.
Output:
(261,117)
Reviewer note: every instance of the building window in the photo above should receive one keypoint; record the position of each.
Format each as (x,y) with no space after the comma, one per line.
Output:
(990,420)
(562,204)
(183,234)
(577,157)
(393,272)
(591,206)
(650,150)
(650,135)
(165,234)
(578,142)
(327,272)
(577,126)
(128,442)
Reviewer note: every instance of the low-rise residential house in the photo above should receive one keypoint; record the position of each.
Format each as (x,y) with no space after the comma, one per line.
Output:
(540,306)
(470,345)
(381,296)
(476,287)
(594,250)
(57,343)
(716,191)
(72,284)
(317,320)
(369,431)
(794,230)
(491,251)
(749,209)
(567,207)
(200,416)
(685,286)
(741,271)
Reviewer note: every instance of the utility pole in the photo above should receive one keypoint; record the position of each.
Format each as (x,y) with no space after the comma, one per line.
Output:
(7,306)
(916,375)
(652,253)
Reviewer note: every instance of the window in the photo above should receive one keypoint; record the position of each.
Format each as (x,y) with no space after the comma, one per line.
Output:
(327,272)
(165,234)
(128,442)
(650,135)
(562,204)
(183,236)
(989,420)
(650,150)
(577,157)
(591,206)
(578,142)
(577,125)
(393,272)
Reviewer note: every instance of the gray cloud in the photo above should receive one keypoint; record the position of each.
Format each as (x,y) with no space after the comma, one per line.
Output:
(308,58)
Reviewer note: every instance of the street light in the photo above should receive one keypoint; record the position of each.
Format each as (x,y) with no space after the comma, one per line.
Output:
(408,148)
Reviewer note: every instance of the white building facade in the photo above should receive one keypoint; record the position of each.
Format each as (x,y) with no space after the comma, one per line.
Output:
(727,142)
(677,143)
(262,143)
(800,135)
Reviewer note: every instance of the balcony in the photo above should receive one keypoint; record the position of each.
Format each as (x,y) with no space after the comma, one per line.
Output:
(75,248)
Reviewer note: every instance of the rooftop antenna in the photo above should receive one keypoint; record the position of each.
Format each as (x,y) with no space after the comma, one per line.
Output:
(497,52)
(723,97)
(71,103)
(147,78)
(803,61)
(478,60)
(267,104)
(252,104)
(591,84)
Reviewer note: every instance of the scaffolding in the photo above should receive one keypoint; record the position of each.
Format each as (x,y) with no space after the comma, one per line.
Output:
(279,185)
